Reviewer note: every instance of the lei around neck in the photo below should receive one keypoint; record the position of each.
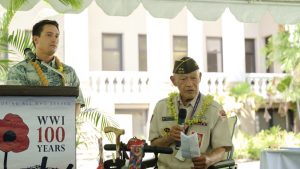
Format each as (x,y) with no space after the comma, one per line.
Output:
(41,74)
(208,100)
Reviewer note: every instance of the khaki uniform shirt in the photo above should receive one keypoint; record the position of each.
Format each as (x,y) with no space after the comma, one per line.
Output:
(24,73)
(213,130)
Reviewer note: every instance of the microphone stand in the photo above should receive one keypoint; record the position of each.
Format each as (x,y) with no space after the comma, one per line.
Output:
(51,68)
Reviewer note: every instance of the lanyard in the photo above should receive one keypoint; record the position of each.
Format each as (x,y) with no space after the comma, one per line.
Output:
(196,104)
(194,110)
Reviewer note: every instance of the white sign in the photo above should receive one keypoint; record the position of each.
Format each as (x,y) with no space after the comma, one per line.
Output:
(37,132)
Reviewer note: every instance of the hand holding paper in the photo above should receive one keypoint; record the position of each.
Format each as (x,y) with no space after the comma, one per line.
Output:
(189,146)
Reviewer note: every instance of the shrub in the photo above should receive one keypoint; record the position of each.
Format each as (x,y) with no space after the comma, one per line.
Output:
(250,147)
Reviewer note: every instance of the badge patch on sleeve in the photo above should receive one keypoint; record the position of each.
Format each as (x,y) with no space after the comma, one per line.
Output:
(222,113)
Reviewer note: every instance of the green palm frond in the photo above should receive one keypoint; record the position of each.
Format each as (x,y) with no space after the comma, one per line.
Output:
(14,6)
(4,48)
(3,68)
(20,39)
(99,119)
(76,4)
(79,136)
(284,48)
(240,89)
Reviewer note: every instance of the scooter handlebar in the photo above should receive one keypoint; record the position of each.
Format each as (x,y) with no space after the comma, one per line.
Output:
(149,149)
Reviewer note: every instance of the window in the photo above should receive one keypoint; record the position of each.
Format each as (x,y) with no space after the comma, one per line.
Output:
(250,55)
(179,47)
(112,52)
(142,52)
(214,54)
(132,118)
(285,122)
(270,68)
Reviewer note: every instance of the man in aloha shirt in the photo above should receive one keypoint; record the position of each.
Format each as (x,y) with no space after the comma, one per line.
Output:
(208,120)
(31,72)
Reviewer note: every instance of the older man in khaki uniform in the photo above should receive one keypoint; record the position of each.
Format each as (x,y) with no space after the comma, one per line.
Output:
(204,117)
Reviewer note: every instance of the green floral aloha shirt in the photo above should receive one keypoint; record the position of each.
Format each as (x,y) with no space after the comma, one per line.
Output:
(24,73)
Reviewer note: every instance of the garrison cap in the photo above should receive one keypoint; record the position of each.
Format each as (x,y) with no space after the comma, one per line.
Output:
(185,65)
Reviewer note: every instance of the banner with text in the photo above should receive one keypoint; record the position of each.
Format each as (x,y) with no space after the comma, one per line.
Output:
(37,132)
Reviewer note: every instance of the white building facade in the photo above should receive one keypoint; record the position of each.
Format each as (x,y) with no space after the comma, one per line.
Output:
(124,63)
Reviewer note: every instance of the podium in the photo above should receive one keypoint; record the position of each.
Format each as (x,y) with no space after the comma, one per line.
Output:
(37,127)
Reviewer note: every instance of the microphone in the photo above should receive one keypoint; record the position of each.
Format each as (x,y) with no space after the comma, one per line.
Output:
(30,55)
(181,118)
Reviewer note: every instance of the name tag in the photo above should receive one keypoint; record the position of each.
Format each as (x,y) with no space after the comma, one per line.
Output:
(168,118)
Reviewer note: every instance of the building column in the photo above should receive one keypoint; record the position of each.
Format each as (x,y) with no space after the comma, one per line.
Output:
(159,54)
(234,61)
(233,47)
(159,60)
(76,42)
(196,40)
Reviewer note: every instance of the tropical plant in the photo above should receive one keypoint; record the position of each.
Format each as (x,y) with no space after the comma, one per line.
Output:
(250,147)
(75,4)
(97,119)
(4,34)
(240,100)
(284,48)
(239,97)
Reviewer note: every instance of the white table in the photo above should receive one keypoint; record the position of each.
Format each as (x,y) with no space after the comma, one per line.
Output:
(288,158)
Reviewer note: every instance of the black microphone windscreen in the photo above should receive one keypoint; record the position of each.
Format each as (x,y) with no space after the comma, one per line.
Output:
(27,50)
(30,55)
(182,114)
(181,118)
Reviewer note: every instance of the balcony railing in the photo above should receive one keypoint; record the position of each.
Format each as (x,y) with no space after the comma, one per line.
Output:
(260,81)
(115,82)
(126,84)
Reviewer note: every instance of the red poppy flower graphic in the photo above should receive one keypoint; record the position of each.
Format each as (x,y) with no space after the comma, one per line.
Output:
(13,134)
